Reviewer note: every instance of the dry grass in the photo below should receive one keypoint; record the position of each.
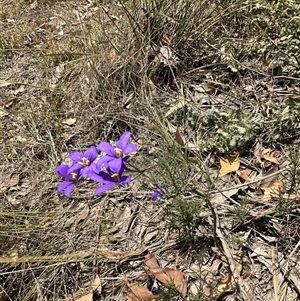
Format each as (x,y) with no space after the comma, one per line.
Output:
(100,65)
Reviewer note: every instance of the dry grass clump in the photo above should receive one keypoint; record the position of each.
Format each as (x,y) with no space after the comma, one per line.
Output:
(75,73)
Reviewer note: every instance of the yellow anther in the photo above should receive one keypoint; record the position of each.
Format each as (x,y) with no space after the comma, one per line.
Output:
(74,175)
(115,176)
(85,161)
(119,152)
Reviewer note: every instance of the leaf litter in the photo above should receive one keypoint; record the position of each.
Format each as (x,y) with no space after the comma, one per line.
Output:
(267,157)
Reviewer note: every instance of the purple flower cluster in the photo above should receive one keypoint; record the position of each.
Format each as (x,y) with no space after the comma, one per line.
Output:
(106,168)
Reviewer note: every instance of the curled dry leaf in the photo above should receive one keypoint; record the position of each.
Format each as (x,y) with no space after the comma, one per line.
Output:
(166,276)
(182,141)
(271,155)
(12,181)
(228,283)
(96,287)
(229,163)
(271,186)
(272,191)
(87,297)
(70,121)
(139,293)
(246,175)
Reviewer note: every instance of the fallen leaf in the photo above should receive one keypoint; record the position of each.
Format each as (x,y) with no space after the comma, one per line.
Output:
(179,138)
(3,113)
(70,121)
(229,163)
(87,297)
(96,286)
(182,141)
(166,276)
(270,155)
(272,191)
(228,283)
(247,176)
(267,182)
(155,269)
(177,277)
(180,104)
(12,181)
(165,56)
(139,293)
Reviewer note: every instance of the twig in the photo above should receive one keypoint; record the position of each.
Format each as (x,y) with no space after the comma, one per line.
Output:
(236,275)
(274,269)
(249,183)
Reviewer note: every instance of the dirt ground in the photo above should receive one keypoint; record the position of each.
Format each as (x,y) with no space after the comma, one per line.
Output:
(75,73)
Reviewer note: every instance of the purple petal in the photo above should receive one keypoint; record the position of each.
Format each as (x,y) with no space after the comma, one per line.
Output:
(115,165)
(107,148)
(63,185)
(154,196)
(130,148)
(107,178)
(84,171)
(123,140)
(95,176)
(75,167)
(91,153)
(125,180)
(103,161)
(104,187)
(62,170)
(158,193)
(76,156)
(69,189)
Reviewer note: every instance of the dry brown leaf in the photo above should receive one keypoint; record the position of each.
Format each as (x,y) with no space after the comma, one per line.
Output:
(229,163)
(272,191)
(178,279)
(267,182)
(12,181)
(70,121)
(166,276)
(245,175)
(180,104)
(96,286)
(139,293)
(227,284)
(179,138)
(214,287)
(155,269)
(87,297)
(270,155)
(182,141)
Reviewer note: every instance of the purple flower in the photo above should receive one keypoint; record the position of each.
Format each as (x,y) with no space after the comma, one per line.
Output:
(82,161)
(71,178)
(115,155)
(158,193)
(108,178)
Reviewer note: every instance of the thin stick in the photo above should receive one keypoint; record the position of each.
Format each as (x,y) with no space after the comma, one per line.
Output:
(275,282)
(235,273)
(249,183)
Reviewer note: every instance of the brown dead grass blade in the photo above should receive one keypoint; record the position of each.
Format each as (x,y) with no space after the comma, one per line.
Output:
(166,276)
